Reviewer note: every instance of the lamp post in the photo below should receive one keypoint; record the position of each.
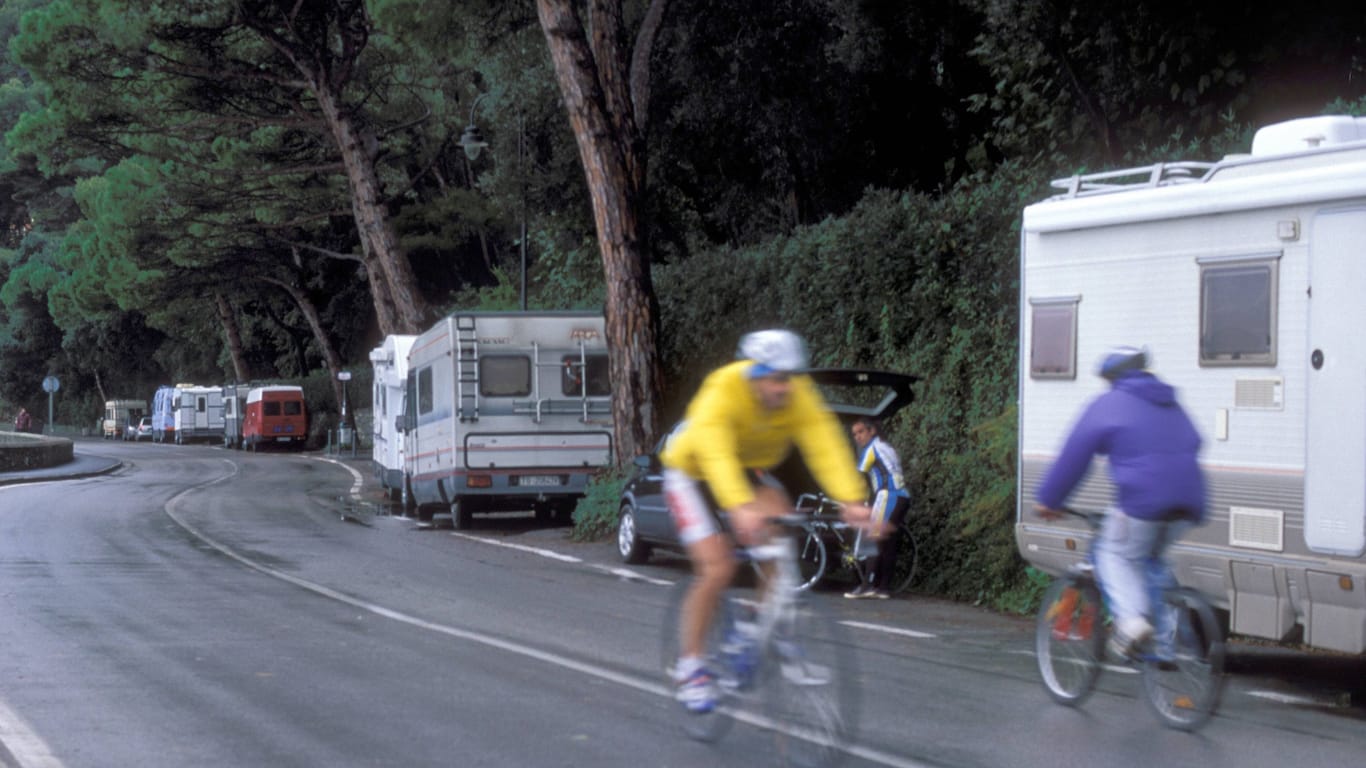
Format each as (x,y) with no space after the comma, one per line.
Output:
(472,142)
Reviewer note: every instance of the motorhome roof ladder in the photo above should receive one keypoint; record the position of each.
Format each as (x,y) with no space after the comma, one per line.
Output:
(583,381)
(466,368)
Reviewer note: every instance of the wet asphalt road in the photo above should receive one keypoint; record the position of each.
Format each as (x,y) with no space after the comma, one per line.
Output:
(204,607)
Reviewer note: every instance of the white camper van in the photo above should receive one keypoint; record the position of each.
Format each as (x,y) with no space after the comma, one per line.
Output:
(198,413)
(390,361)
(1247,281)
(507,411)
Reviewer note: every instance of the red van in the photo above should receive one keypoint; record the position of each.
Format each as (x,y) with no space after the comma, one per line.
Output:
(275,415)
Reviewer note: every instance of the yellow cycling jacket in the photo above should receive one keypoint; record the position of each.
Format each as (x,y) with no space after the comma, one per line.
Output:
(726,431)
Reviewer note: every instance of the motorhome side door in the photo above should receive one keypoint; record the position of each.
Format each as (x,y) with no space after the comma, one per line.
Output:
(1335,443)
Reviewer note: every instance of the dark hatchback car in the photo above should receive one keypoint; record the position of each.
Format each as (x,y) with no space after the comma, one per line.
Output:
(643,522)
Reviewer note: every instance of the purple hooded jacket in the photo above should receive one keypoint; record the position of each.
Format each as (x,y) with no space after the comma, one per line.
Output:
(1152,446)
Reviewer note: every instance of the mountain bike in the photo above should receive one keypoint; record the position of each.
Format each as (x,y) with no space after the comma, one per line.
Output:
(1182,665)
(826,532)
(780,663)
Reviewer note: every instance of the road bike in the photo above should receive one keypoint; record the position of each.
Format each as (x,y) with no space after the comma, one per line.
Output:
(780,663)
(1182,665)
(831,544)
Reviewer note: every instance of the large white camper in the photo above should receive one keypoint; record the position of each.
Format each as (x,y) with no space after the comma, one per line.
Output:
(198,413)
(507,410)
(1247,280)
(390,361)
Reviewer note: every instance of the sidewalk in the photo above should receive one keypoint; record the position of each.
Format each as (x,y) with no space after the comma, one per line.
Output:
(82,465)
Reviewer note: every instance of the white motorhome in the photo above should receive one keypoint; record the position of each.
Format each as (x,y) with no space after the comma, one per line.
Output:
(198,413)
(390,362)
(1247,280)
(507,411)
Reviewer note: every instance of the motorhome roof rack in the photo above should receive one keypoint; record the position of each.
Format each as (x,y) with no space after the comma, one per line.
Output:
(1145,177)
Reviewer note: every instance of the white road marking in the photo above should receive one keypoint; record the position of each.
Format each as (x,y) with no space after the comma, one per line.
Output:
(887,629)
(592,670)
(630,575)
(28,749)
(358,480)
(1123,669)
(553,555)
(1341,702)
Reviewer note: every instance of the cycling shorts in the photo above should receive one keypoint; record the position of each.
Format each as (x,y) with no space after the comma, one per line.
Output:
(692,506)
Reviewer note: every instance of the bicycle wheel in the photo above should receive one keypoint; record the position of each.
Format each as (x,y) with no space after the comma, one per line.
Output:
(904,570)
(1069,638)
(708,726)
(809,688)
(1182,678)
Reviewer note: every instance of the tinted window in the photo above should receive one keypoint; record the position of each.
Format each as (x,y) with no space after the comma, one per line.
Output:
(575,374)
(1238,314)
(424,391)
(293,408)
(1053,339)
(504,376)
(270,408)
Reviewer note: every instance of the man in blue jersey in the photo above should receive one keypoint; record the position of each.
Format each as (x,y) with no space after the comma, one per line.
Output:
(1152,448)
(879,461)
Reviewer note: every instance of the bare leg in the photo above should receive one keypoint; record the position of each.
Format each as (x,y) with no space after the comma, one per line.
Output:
(713,569)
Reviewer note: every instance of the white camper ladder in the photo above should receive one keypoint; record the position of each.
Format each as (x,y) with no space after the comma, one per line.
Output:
(466,369)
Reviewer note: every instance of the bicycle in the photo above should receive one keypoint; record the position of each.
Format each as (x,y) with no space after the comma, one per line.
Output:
(825,526)
(1181,684)
(780,664)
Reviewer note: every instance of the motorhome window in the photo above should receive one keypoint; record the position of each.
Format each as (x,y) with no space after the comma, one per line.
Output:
(1238,313)
(294,408)
(504,376)
(1053,338)
(575,374)
(270,408)
(200,404)
(424,391)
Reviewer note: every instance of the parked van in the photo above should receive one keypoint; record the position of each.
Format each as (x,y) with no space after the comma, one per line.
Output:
(198,413)
(507,411)
(118,414)
(390,361)
(275,414)
(1244,278)
(234,411)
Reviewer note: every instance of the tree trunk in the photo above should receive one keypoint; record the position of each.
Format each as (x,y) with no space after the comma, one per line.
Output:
(379,245)
(310,313)
(597,98)
(233,335)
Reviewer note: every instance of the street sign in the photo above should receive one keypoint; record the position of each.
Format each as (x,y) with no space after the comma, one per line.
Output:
(51,384)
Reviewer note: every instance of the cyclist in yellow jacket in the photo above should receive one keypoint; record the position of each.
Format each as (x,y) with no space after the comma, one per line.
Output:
(743,421)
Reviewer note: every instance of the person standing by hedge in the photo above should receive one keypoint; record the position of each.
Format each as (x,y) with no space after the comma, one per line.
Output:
(23,422)
(891,501)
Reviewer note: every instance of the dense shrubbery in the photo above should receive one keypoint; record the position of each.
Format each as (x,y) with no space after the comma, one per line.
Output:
(914,283)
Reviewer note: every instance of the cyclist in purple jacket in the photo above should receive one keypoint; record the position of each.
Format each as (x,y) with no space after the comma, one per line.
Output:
(1152,448)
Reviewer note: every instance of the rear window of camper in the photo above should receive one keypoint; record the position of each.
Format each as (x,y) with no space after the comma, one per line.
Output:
(1238,313)
(504,376)
(1053,343)
(576,375)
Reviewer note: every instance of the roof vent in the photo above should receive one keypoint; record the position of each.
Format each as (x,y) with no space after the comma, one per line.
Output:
(1307,133)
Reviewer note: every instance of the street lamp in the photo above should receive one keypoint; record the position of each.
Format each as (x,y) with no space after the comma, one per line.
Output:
(472,142)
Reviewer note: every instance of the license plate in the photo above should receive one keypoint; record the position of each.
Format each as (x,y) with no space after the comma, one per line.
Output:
(538,480)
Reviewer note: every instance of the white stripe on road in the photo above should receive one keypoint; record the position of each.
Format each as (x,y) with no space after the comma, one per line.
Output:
(358,480)
(1123,669)
(887,629)
(593,670)
(553,555)
(28,750)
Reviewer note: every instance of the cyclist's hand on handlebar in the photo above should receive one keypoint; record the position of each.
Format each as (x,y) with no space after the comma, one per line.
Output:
(747,522)
(860,516)
(1047,513)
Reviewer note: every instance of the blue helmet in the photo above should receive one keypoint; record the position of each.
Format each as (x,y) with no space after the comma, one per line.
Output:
(1119,360)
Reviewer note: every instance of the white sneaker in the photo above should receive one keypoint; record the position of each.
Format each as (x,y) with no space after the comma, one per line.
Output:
(698,693)
(1128,635)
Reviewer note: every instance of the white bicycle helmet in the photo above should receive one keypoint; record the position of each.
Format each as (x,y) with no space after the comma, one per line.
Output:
(773,351)
(1119,360)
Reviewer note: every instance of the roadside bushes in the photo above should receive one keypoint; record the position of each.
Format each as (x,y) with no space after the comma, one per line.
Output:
(920,284)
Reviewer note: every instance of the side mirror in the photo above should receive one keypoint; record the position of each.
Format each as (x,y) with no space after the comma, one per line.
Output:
(400,423)
(643,461)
